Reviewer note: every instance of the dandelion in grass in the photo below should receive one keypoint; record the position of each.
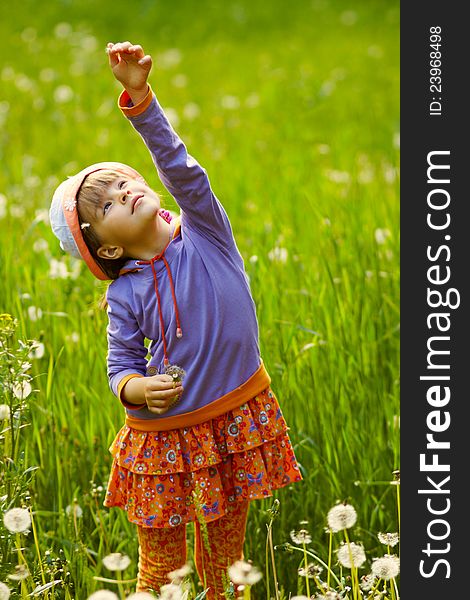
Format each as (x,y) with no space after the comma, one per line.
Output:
(386,567)
(178,575)
(116,561)
(4,591)
(311,570)
(341,516)
(278,255)
(22,390)
(63,94)
(351,555)
(141,596)
(4,412)
(21,572)
(331,595)
(300,598)
(244,573)
(17,520)
(389,539)
(75,510)
(34,313)
(170,591)
(103,595)
(301,537)
(368,582)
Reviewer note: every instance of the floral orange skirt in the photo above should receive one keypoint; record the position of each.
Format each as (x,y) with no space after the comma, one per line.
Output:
(243,454)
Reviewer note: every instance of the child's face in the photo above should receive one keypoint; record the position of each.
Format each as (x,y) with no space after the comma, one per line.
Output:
(125,212)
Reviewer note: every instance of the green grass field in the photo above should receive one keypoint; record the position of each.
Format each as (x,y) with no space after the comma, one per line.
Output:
(293,109)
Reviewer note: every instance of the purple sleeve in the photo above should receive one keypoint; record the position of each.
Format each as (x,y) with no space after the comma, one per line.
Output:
(183,176)
(126,349)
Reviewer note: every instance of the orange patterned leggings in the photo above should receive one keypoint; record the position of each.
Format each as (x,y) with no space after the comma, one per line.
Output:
(162,550)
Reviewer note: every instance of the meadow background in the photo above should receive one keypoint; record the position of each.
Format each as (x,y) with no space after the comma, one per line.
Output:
(293,109)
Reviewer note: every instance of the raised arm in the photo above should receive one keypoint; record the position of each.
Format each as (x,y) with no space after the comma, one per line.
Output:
(179,172)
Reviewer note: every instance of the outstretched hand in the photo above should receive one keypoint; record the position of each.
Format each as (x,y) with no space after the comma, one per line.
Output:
(130,66)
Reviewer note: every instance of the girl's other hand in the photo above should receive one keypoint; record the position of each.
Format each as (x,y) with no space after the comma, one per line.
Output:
(160,392)
(130,66)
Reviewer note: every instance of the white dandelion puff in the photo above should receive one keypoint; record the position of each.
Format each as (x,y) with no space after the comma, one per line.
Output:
(244,573)
(252,100)
(341,516)
(170,591)
(4,591)
(179,574)
(141,596)
(63,94)
(386,567)
(21,390)
(17,520)
(230,102)
(338,176)
(58,269)
(381,235)
(367,582)
(84,225)
(21,572)
(34,313)
(278,254)
(76,509)
(40,245)
(301,537)
(389,539)
(37,350)
(103,595)
(311,571)
(330,595)
(191,111)
(300,598)
(116,561)
(73,338)
(351,555)
(4,412)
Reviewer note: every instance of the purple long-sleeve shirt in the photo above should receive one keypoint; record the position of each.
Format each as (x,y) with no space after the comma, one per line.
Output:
(219,349)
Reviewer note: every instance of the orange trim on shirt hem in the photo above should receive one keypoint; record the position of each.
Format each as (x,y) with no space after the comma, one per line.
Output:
(137,109)
(258,382)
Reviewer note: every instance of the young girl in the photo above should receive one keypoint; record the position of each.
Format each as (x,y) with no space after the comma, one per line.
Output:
(203,433)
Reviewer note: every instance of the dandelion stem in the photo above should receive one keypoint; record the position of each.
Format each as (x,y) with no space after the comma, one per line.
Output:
(271,547)
(306,570)
(247,592)
(317,558)
(267,562)
(330,547)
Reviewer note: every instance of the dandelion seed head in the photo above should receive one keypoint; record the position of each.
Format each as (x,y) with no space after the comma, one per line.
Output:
(311,570)
(191,111)
(4,412)
(341,516)
(103,595)
(351,555)
(34,313)
(179,574)
(4,591)
(381,235)
(17,520)
(367,582)
(244,573)
(116,561)
(386,567)
(389,539)
(141,596)
(170,591)
(21,572)
(301,537)
(76,509)
(278,254)
(330,595)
